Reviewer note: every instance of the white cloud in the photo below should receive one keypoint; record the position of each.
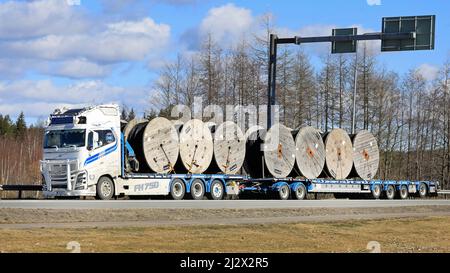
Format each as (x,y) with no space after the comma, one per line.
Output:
(227,23)
(52,37)
(428,72)
(79,68)
(121,41)
(374,2)
(39,98)
(24,19)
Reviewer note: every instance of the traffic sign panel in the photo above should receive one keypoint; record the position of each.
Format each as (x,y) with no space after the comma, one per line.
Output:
(422,26)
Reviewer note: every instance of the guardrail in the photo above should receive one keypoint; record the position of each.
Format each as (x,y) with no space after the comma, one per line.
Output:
(20,188)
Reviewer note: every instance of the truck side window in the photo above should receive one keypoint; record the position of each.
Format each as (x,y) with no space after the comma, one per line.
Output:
(105,137)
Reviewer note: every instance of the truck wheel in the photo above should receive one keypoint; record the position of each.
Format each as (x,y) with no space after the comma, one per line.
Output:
(403,193)
(300,192)
(177,189)
(390,192)
(283,192)
(105,188)
(197,189)
(217,191)
(423,190)
(376,191)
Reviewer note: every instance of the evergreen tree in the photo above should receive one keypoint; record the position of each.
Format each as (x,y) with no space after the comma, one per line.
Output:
(131,115)
(124,113)
(21,126)
(150,114)
(6,125)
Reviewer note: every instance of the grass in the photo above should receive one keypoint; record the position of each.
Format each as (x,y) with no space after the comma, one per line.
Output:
(429,234)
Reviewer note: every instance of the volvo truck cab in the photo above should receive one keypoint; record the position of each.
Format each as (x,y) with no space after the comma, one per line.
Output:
(81,146)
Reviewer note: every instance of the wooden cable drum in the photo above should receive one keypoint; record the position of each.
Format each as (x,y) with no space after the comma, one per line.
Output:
(278,152)
(161,145)
(309,152)
(338,154)
(196,146)
(366,155)
(130,125)
(229,148)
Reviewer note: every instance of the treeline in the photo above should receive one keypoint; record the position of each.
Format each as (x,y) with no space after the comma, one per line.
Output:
(409,115)
(20,151)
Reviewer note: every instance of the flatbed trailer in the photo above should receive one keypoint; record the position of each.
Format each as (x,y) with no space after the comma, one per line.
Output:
(285,188)
(220,186)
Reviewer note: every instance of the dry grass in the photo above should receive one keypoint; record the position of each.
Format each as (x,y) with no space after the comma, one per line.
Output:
(400,235)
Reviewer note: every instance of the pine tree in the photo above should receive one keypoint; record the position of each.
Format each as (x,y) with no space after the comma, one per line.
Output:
(131,115)
(124,113)
(6,126)
(21,126)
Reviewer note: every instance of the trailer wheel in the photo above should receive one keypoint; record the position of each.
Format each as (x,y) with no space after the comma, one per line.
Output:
(105,188)
(300,192)
(423,190)
(217,190)
(197,189)
(283,192)
(390,192)
(403,193)
(376,191)
(177,189)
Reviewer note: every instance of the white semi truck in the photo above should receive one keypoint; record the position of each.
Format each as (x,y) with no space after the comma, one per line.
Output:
(85,154)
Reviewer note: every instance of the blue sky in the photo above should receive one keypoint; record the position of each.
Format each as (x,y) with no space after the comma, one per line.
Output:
(54,53)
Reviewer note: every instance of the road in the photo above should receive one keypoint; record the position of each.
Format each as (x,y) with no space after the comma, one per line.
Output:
(214,204)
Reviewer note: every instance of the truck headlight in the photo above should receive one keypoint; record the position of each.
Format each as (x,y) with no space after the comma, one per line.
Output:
(81,180)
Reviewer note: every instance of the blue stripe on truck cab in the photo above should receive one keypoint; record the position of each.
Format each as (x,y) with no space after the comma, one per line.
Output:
(100,154)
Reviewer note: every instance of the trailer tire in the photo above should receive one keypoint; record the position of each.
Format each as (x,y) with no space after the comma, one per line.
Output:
(403,192)
(376,191)
(197,189)
(423,190)
(390,192)
(105,188)
(217,190)
(283,192)
(177,189)
(300,192)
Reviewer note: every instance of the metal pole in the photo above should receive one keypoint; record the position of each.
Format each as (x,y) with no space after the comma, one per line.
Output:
(272,78)
(354,89)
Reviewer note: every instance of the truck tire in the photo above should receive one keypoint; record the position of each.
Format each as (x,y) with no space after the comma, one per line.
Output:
(376,191)
(283,192)
(197,189)
(403,192)
(390,192)
(217,190)
(177,189)
(105,188)
(300,192)
(423,190)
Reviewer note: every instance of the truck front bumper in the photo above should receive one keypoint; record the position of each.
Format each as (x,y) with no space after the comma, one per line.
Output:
(65,193)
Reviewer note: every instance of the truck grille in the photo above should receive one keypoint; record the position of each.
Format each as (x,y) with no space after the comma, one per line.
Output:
(57,172)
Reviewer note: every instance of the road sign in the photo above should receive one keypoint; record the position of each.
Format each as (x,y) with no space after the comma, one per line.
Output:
(344,46)
(422,26)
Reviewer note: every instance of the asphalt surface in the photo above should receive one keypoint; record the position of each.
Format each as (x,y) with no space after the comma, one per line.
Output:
(214,204)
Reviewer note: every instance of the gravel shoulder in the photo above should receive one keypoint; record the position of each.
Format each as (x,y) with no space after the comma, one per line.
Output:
(38,218)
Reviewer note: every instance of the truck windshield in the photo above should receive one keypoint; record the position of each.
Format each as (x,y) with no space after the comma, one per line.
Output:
(64,138)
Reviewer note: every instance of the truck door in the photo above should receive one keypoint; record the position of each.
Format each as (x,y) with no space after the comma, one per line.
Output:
(102,146)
